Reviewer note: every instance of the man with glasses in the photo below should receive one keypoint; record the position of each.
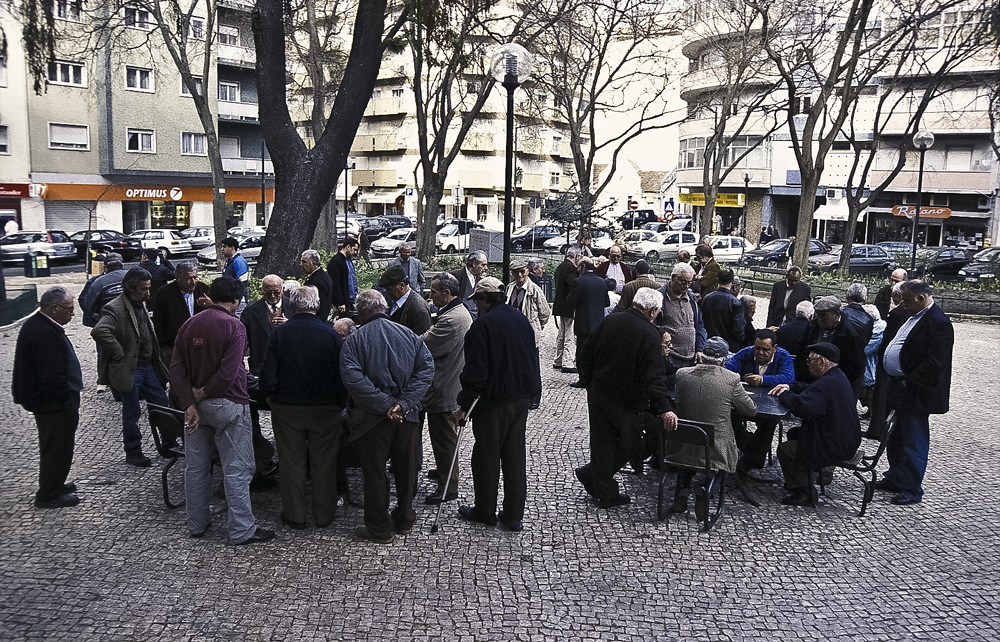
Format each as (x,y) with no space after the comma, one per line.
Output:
(828,326)
(615,269)
(523,295)
(680,316)
(411,265)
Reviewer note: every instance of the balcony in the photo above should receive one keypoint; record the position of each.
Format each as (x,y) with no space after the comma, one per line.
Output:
(478,142)
(237,111)
(935,181)
(477,179)
(561,150)
(234,56)
(533,146)
(238,5)
(374,178)
(392,106)
(375,143)
(531,182)
(755,126)
(959,121)
(692,178)
(248,166)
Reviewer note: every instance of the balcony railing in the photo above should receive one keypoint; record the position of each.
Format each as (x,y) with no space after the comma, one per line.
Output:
(478,142)
(375,143)
(374,178)
(385,106)
(246,166)
(236,56)
(239,5)
(478,179)
(237,111)
(531,182)
(936,180)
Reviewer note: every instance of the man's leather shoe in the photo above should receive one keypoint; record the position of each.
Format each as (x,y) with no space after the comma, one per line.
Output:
(514,525)
(796,498)
(700,507)
(886,486)
(569,370)
(617,500)
(433,474)
(290,524)
(364,534)
(557,367)
(202,532)
(69,487)
(63,501)
(680,500)
(577,384)
(259,535)
(469,513)
(402,531)
(435,498)
(904,498)
(587,479)
(138,460)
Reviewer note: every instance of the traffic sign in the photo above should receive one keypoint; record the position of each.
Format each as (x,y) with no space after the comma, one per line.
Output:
(633,205)
(669,206)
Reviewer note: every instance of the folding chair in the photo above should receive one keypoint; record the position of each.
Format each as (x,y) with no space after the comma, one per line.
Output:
(166,420)
(701,434)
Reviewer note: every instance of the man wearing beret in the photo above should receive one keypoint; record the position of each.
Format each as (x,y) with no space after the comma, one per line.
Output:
(406,308)
(830,430)
(828,326)
(523,295)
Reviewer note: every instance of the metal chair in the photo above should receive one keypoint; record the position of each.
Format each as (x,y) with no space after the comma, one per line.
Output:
(166,420)
(700,434)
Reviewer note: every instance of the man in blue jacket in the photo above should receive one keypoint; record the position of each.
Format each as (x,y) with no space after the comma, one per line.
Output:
(764,364)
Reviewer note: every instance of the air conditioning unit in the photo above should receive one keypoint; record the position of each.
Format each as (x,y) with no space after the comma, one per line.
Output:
(833,195)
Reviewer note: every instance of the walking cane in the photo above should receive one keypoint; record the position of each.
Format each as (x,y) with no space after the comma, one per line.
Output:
(451,469)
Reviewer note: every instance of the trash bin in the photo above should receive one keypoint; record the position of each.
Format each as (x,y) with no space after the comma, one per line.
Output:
(36,264)
(96,264)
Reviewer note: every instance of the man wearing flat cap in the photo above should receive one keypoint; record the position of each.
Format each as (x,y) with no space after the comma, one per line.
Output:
(522,294)
(828,326)
(830,430)
(406,308)
(501,371)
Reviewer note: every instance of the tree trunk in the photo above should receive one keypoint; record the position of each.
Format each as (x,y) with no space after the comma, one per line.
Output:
(427,225)
(803,231)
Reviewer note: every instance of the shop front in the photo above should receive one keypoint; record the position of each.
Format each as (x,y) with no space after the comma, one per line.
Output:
(965,230)
(10,204)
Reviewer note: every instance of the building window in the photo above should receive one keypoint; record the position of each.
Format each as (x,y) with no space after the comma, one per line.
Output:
(69,9)
(3,69)
(229,92)
(4,147)
(199,86)
(139,79)
(67,73)
(554,179)
(556,144)
(138,18)
(193,144)
(397,93)
(229,146)
(229,35)
(803,104)
(142,140)
(692,153)
(63,136)
(196,28)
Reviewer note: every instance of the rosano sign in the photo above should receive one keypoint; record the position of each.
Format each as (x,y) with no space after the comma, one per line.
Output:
(925,212)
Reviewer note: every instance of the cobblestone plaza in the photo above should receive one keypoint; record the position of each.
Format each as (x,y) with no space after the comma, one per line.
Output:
(120,566)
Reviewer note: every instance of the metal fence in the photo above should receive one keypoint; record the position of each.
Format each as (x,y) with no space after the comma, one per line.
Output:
(20,303)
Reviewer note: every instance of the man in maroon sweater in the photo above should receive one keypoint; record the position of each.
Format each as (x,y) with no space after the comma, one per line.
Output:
(209,378)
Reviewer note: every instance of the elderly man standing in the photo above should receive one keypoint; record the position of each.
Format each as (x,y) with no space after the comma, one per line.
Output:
(523,295)
(469,276)
(387,370)
(854,313)
(309,263)
(723,313)
(828,327)
(411,265)
(406,307)
(344,277)
(587,299)
(565,277)
(623,369)
(102,289)
(710,393)
(681,317)
(261,317)
(445,340)
(301,380)
(918,362)
(502,377)
(708,270)
(883,299)
(177,302)
(130,360)
(615,269)
(46,382)
(785,295)
(830,430)
(642,280)
(210,382)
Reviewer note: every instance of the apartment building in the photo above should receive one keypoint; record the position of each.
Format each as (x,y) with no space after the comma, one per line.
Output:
(960,170)
(114,141)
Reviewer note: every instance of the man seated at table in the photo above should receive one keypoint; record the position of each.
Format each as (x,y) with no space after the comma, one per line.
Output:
(830,431)
(764,364)
(708,392)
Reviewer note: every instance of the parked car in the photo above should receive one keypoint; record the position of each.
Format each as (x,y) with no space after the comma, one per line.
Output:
(250,247)
(897,248)
(375,227)
(865,259)
(640,243)
(199,237)
(168,242)
(729,249)
(454,236)
(984,267)
(389,245)
(397,221)
(533,237)
(103,241)
(634,219)
(939,263)
(600,243)
(775,253)
(245,230)
(669,244)
(53,243)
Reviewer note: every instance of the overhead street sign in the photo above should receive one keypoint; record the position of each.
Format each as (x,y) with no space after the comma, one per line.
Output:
(925,211)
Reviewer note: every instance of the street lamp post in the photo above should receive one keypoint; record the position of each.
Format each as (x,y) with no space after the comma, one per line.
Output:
(510,66)
(746,202)
(922,140)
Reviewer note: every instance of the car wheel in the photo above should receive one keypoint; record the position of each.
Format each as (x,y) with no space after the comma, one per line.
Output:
(517,247)
(563,249)
(451,249)
(652,255)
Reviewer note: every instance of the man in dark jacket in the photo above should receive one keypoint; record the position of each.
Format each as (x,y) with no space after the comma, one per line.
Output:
(616,269)
(406,307)
(468,276)
(785,295)
(918,362)
(565,277)
(883,299)
(501,372)
(343,280)
(159,273)
(309,262)
(828,327)
(722,313)
(854,313)
(46,382)
(101,289)
(587,299)
(830,430)
(177,302)
(790,334)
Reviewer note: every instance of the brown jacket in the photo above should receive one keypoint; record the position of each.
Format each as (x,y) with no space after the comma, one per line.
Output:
(117,335)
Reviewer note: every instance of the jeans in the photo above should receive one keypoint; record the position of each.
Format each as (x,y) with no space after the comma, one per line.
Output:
(907,452)
(224,427)
(146,385)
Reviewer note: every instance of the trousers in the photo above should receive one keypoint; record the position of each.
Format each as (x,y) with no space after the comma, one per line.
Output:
(56,442)
(145,386)
(308,438)
(444,441)
(500,434)
(398,441)
(565,346)
(615,432)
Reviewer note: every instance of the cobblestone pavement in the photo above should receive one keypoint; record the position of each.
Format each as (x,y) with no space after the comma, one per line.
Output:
(121,567)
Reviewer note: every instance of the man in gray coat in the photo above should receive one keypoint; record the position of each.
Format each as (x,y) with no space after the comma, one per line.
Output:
(130,359)
(445,340)
(411,265)
(386,370)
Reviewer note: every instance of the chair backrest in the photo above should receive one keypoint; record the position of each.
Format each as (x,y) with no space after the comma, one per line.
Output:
(697,433)
(164,420)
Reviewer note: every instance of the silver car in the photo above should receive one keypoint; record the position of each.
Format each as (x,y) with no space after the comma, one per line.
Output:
(53,243)
(250,248)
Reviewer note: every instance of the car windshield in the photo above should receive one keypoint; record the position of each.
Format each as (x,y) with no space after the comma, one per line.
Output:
(774,246)
(927,253)
(193,231)
(990,255)
(175,236)
(400,234)
(448,230)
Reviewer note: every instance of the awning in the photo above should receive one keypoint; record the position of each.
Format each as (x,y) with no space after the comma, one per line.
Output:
(380,195)
(834,212)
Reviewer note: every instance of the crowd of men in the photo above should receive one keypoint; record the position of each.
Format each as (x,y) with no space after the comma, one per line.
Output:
(351,374)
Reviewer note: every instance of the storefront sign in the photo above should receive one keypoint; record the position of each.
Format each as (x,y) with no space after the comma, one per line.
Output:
(13,190)
(485,200)
(722,200)
(80,192)
(925,212)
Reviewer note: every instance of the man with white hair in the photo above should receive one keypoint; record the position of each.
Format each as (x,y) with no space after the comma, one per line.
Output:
(175,303)
(565,277)
(623,369)
(309,262)
(681,317)
(854,312)
(468,276)
(411,266)
(386,369)
(790,334)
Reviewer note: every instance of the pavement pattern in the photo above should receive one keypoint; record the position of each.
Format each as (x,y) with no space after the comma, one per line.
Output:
(120,566)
